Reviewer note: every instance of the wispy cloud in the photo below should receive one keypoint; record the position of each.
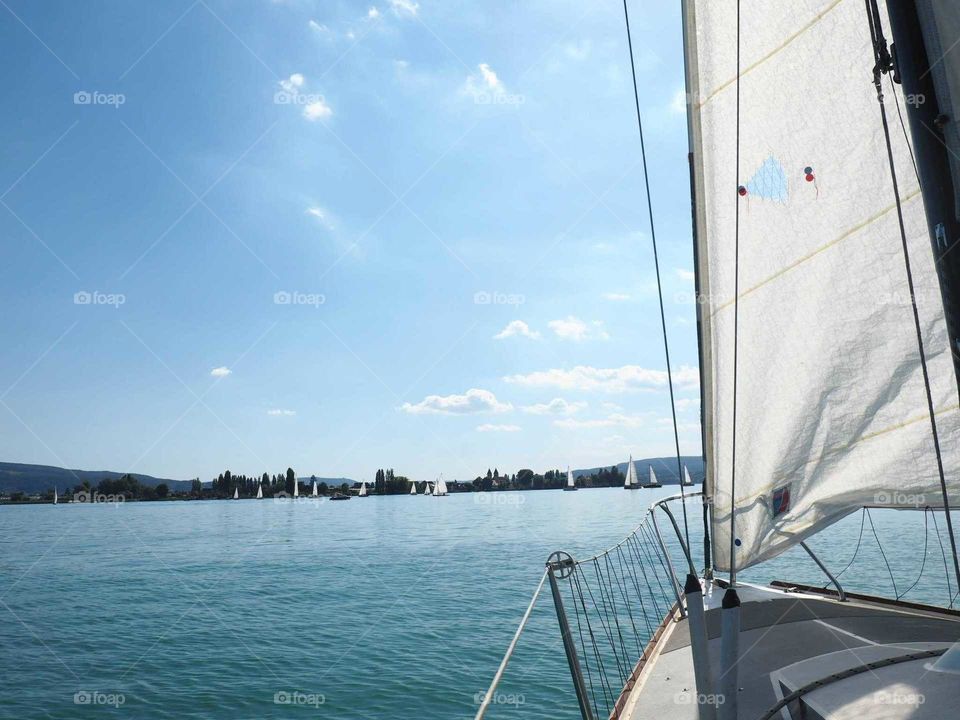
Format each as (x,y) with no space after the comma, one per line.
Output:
(685,274)
(616,297)
(406,8)
(517,328)
(322,216)
(317,110)
(278,412)
(473,401)
(220,372)
(373,13)
(614,420)
(586,378)
(487,427)
(557,406)
(678,103)
(575,329)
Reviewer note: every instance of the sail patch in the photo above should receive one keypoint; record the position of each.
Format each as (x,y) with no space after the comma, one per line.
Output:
(769,182)
(781,500)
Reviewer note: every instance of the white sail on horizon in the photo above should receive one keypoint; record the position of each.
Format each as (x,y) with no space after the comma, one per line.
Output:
(413,488)
(653,477)
(55,497)
(631,478)
(296,488)
(570,481)
(314,493)
(686,476)
(831,403)
(259,491)
(236,494)
(363,489)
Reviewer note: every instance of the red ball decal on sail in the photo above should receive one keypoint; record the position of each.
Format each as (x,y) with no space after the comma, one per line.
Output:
(808,173)
(742,190)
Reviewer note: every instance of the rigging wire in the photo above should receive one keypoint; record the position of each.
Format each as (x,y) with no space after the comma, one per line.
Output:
(656,265)
(863,517)
(923,563)
(883,554)
(883,65)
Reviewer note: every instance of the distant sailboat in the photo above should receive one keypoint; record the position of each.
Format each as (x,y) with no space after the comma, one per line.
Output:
(440,488)
(630,482)
(413,488)
(363,489)
(653,483)
(54,496)
(296,488)
(259,492)
(236,494)
(314,493)
(686,476)
(428,489)
(571,483)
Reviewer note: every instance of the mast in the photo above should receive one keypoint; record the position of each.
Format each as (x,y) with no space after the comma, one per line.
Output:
(913,31)
(694,161)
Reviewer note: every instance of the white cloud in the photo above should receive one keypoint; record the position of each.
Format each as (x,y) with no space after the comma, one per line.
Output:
(616,297)
(219,372)
(573,328)
(322,215)
(685,274)
(484,86)
(471,402)
(373,13)
(487,427)
(517,328)
(557,406)
(293,83)
(281,412)
(627,378)
(404,7)
(317,110)
(317,27)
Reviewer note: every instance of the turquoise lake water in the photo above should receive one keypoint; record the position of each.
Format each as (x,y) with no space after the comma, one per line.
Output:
(395,607)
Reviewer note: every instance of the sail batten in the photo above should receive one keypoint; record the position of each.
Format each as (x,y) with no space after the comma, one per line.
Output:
(831,404)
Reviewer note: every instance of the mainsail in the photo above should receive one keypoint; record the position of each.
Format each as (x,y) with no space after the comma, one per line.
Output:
(570,481)
(236,494)
(831,410)
(314,492)
(259,492)
(686,476)
(363,489)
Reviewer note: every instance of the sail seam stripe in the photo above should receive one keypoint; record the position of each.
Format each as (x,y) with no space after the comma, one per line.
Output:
(871,436)
(852,231)
(770,54)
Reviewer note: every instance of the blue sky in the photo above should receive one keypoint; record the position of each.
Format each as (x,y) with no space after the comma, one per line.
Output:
(340,236)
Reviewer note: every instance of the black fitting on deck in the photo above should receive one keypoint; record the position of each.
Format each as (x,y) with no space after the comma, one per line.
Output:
(730,599)
(692,585)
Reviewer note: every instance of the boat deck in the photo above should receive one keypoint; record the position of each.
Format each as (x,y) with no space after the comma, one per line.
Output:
(789,639)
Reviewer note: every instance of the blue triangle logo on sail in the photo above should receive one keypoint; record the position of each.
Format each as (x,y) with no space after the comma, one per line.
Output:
(769,182)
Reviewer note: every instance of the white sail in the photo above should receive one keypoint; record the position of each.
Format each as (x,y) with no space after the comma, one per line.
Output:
(686,476)
(428,489)
(413,488)
(296,488)
(831,407)
(570,480)
(442,485)
(314,492)
(631,478)
(363,489)
(259,492)
(236,494)
(55,496)
(653,477)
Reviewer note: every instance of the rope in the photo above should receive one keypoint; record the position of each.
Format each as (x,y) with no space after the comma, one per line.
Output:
(882,553)
(656,265)
(863,517)
(883,65)
(946,573)
(923,563)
